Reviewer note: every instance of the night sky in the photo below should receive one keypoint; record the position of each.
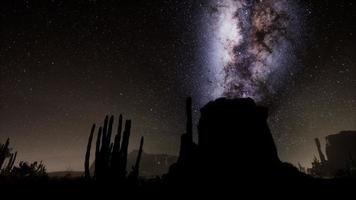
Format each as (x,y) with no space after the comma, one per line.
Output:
(66,64)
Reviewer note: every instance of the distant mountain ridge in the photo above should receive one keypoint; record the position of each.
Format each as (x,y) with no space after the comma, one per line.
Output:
(151,165)
(65,174)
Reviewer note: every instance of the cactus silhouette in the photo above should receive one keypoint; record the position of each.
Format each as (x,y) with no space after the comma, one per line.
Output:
(124,149)
(116,150)
(5,152)
(87,154)
(11,163)
(187,147)
(111,157)
(189,119)
(97,153)
(135,169)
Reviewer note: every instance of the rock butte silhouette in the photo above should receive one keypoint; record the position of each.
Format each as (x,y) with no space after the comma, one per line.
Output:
(234,143)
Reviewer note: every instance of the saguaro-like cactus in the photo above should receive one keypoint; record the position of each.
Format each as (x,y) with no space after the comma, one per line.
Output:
(187,145)
(10,163)
(124,149)
(97,154)
(87,154)
(110,158)
(189,119)
(135,169)
(115,156)
(5,153)
(104,152)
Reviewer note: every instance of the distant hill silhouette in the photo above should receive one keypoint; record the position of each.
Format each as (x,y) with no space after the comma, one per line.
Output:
(65,174)
(151,165)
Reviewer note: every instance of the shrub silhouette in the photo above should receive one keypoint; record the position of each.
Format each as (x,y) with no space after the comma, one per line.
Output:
(30,170)
(24,172)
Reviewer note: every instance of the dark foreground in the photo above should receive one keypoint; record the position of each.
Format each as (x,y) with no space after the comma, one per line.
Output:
(235,156)
(277,189)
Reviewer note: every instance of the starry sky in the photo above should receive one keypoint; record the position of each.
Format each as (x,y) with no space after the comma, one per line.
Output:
(66,64)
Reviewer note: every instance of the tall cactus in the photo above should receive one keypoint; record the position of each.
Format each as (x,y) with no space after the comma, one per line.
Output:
(110,157)
(4,151)
(11,162)
(189,125)
(97,154)
(135,169)
(124,148)
(87,154)
(115,157)
(105,146)
(187,145)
